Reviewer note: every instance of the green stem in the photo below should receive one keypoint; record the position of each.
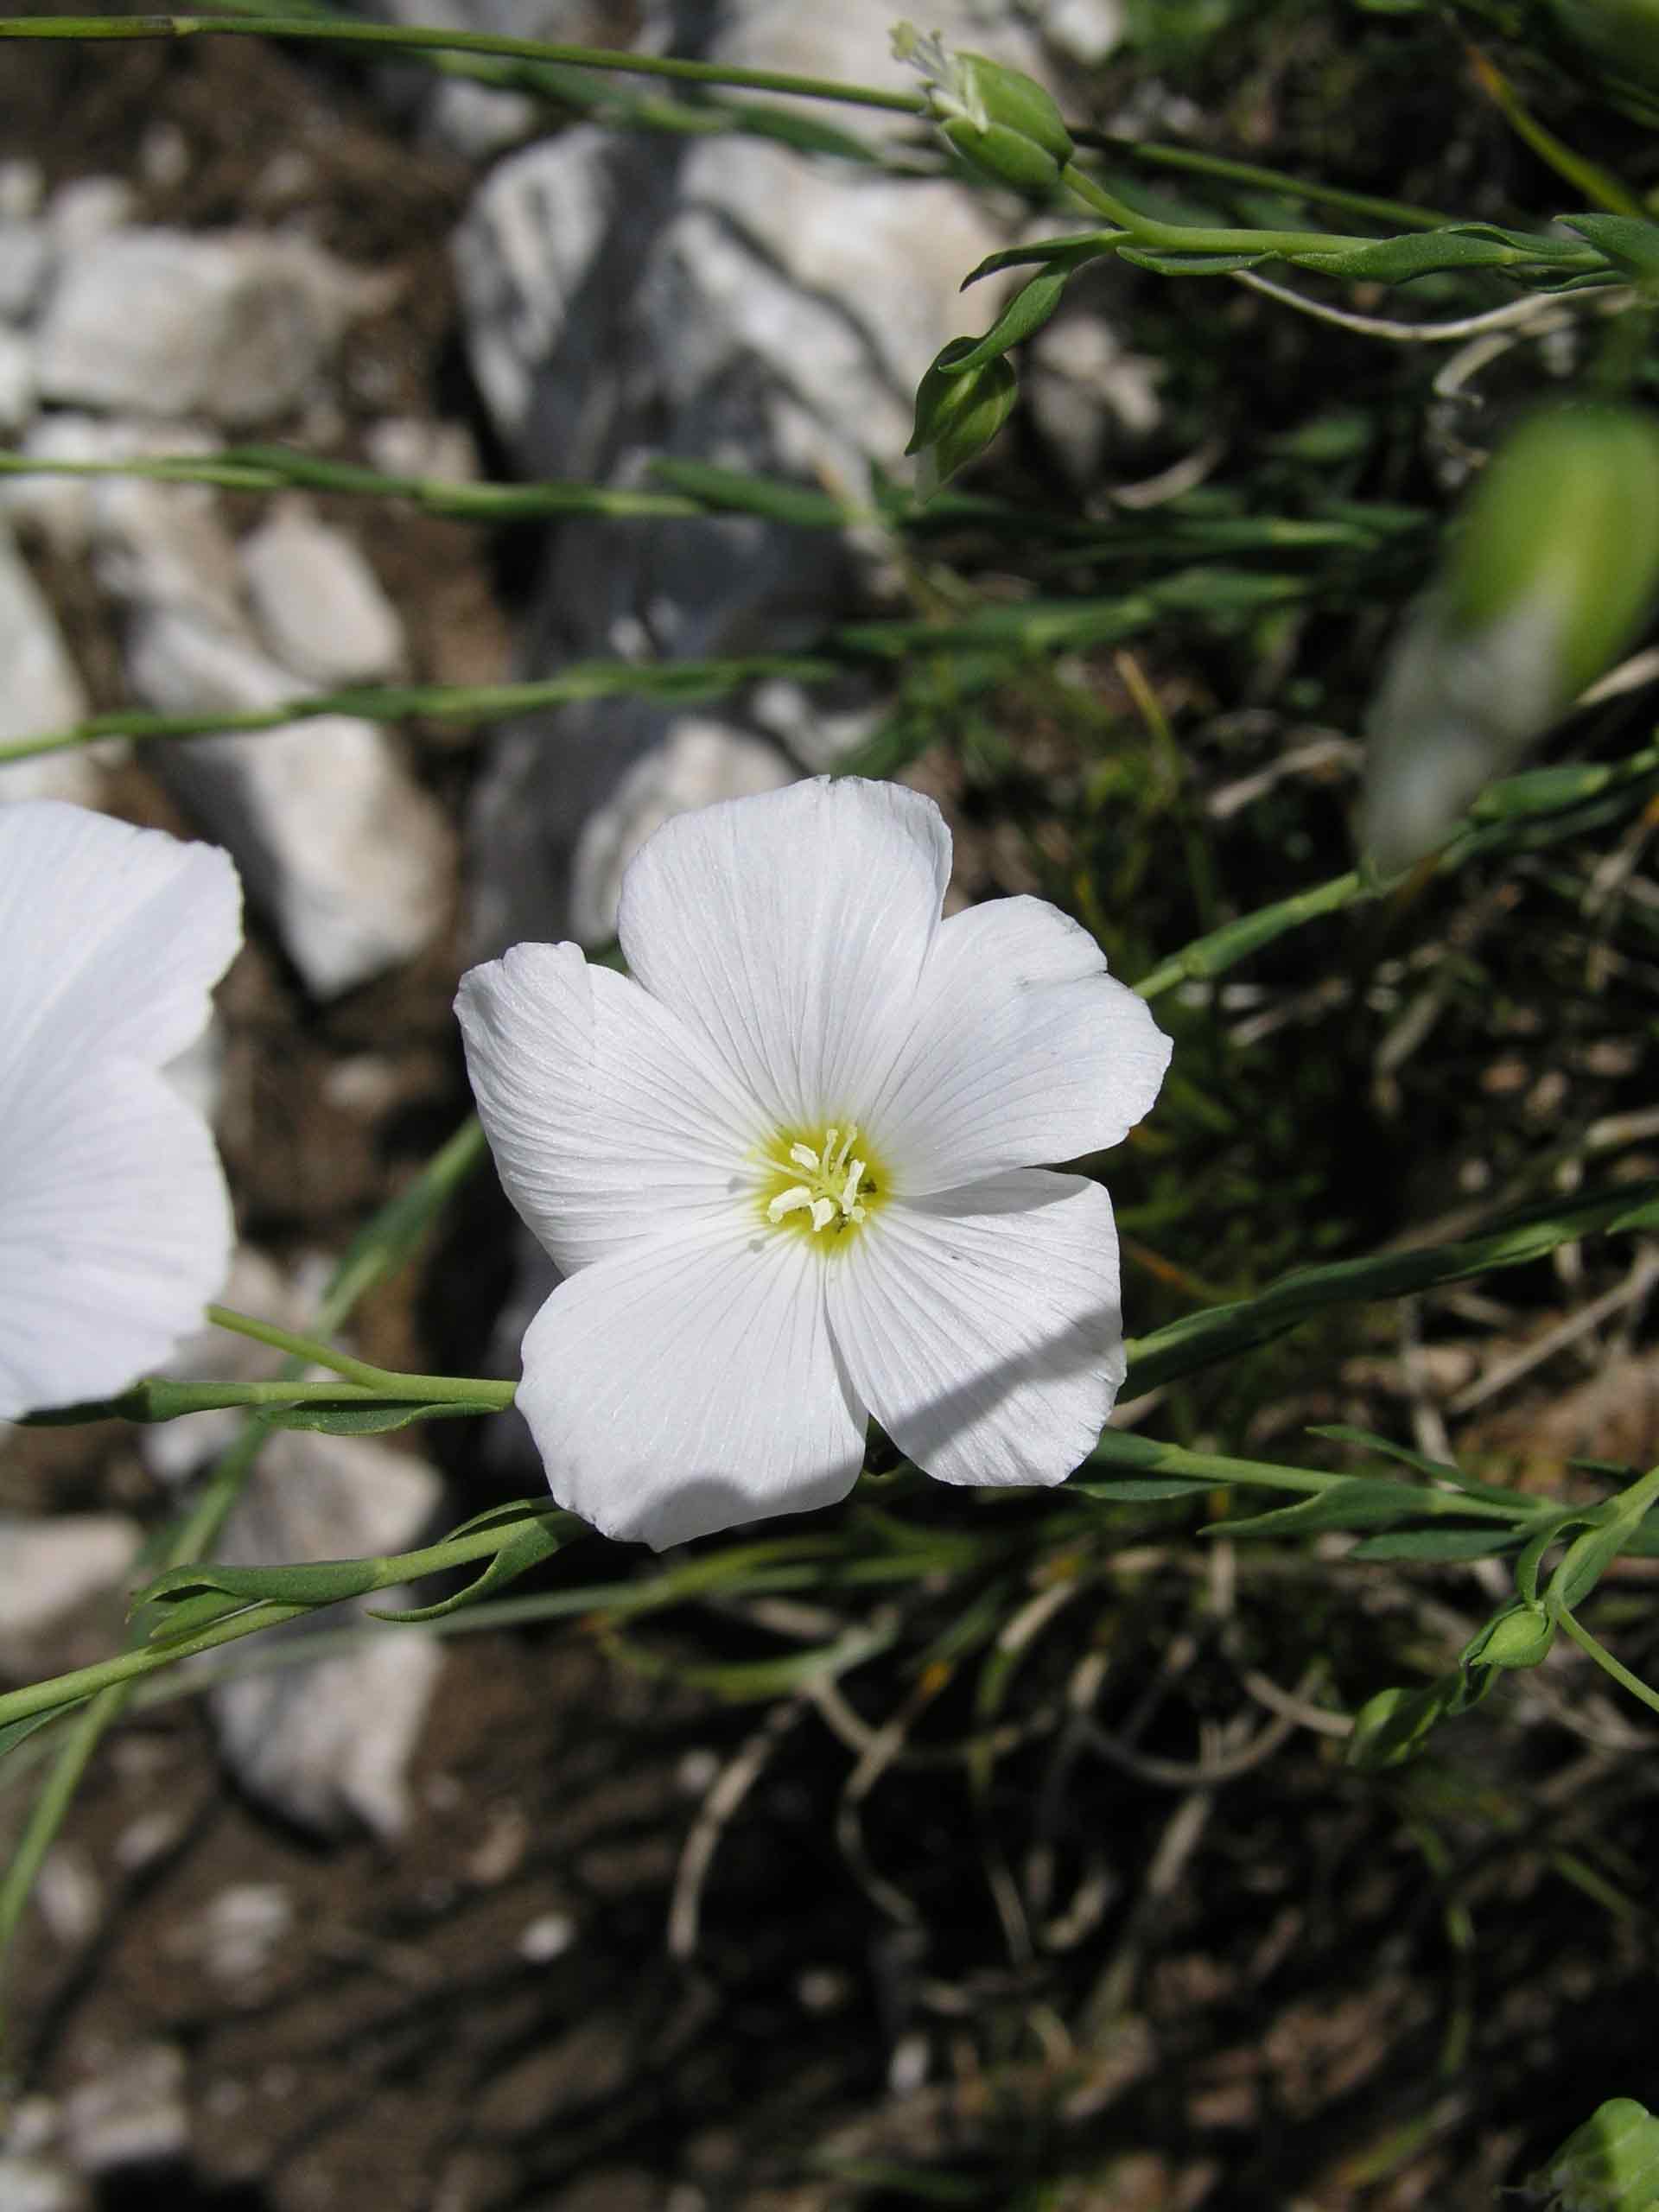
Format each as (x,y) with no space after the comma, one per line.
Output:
(1190,238)
(427,39)
(386,1383)
(1199,163)
(1604,1659)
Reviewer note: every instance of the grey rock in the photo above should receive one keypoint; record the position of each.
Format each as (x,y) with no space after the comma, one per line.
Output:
(64,509)
(318,604)
(334,839)
(25,256)
(50,1568)
(38,2184)
(405,445)
(132,2115)
(725,301)
(699,761)
(16,381)
(233,325)
(172,1449)
(88,208)
(1086,30)
(23,190)
(328,1745)
(42,690)
(1088,393)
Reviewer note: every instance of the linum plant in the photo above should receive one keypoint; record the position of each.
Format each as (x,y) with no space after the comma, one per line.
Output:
(799,1167)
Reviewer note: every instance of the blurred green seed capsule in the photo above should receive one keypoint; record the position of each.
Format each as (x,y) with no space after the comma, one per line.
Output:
(1002,122)
(1521,1636)
(1621,35)
(956,417)
(1610,2164)
(1551,572)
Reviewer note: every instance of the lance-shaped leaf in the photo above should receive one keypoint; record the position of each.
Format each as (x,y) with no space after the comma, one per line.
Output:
(1629,243)
(523,1546)
(1026,314)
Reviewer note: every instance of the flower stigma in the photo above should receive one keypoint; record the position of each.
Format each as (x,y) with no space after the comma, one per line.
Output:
(820,1182)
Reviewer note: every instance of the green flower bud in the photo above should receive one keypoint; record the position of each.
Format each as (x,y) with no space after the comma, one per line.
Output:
(1551,572)
(1520,1637)
(956,417)
(1610,2164)
(1002,122)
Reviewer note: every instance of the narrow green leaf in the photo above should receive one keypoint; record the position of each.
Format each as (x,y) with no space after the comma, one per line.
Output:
(1427,1544)
(15,1731)
(527,1546)
(1625,240)
(370,1420)
(1360,1502)
(1150,1489)
(1091,242)
(325,1583)
(1164,262)
(1026,314)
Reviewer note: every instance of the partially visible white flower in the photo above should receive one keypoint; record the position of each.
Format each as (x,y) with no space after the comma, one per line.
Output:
(787,1168)
(115,1224)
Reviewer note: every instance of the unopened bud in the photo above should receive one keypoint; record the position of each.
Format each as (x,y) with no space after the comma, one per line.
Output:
(1519,1637)
(1610,2164)
(1551,572)
(956,417)
(1002,122)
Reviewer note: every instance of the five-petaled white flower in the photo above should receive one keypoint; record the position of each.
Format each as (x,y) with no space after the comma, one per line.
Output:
(115,1224)
(786,1168)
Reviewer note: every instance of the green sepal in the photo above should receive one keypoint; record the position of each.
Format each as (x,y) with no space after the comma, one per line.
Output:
(1610,2164)
(956,417)
(526,1546)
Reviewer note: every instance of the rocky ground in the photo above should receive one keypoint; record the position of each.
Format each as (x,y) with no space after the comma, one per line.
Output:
(520,1920)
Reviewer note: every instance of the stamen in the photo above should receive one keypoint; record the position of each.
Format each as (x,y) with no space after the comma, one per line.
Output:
(791,1201)
(823,1212)
(849,1191)
(804,1156)
(834,1181)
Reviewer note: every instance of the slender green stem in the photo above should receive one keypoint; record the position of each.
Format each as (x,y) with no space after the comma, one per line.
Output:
(1196,163)
(132,1665)
(416,39)
(372,1381)
(1604,1659)
(1189,238)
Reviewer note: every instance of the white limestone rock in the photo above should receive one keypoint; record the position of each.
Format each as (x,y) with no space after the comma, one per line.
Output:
(50,1568)
(318,604)
(131,2114)
(16,381)
(88,208)
(699,761)
(23,190)
(328,1746)
(64,509)
(234,325)
(334,839)
(31,2182)
(25,256)
(1088,31)
(42,690)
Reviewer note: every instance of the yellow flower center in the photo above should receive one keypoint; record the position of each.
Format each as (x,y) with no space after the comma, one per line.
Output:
(822,1183)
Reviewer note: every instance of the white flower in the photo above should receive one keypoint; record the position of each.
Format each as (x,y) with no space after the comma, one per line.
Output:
(786,1170)
(115,1225)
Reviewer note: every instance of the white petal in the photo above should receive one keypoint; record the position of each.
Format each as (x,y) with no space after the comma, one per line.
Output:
(791,928)
(610,1120)
(982,1327)
(1022,1051)
(111,937)
(114,1231)
(686,1386)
